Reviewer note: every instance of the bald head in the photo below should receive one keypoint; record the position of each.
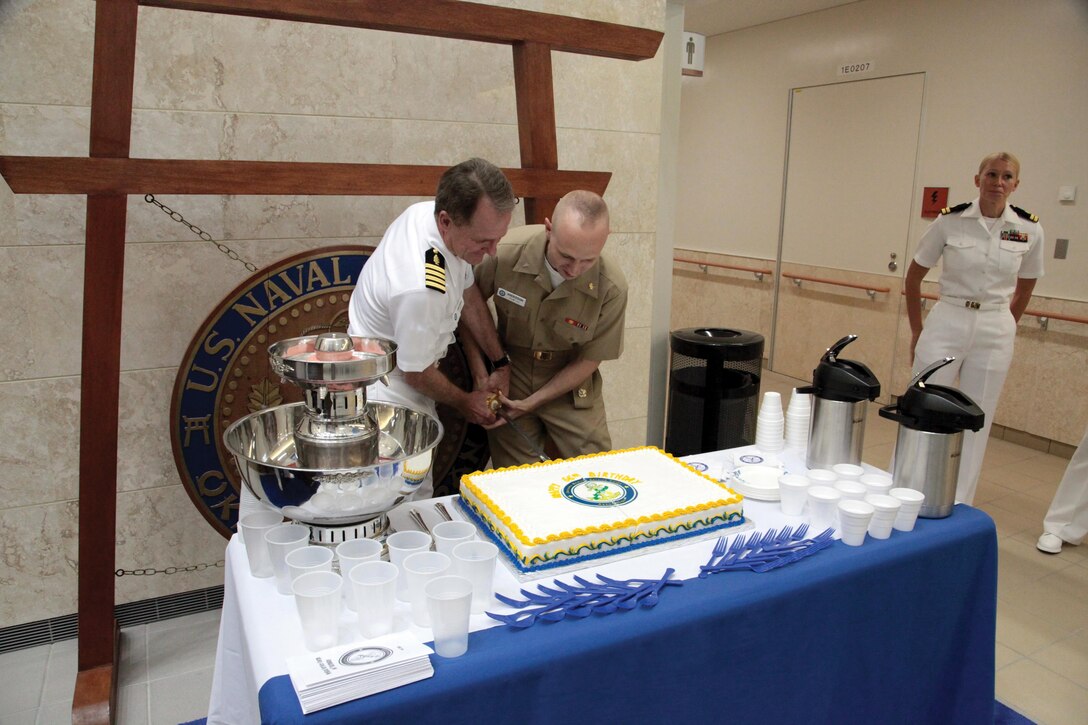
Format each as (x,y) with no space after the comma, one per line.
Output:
(577,234)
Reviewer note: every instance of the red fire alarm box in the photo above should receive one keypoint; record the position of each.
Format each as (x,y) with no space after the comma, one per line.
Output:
(934,199)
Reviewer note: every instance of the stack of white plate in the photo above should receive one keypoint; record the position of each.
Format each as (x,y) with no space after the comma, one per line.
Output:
(756,482)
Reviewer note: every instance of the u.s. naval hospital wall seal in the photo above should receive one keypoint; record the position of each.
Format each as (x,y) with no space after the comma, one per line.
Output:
(225,374)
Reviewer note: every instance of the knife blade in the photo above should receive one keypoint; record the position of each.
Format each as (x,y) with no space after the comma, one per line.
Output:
(533,447)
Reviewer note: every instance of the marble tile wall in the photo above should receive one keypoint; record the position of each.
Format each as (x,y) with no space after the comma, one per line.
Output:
(1044,394)
(238,88)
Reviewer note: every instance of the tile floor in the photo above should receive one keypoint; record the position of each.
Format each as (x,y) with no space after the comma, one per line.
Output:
(1042,616)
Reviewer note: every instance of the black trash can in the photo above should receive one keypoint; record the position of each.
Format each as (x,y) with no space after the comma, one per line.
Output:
(713,389)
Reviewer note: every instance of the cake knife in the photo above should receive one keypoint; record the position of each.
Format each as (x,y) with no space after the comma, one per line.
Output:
(533,447)
(496,407)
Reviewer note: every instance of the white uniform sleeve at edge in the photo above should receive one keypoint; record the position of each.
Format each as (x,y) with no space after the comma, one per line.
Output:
(1032,266)
(931,245)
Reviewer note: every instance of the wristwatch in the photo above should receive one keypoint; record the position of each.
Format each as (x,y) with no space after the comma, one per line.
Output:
(500,363)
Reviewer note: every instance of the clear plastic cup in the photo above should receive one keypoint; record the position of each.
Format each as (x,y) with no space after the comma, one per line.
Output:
(886,509)
(351,554)
(854,518)
(282,540)
(253,527)
(374,587)
(401,544)
(317,597)
(475,561)
(793,489)
(308,559)
(910,503)
(420,568)
(449,603)
(449,534)
(823,504)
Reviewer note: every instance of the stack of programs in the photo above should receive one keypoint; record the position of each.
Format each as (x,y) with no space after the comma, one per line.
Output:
(349,672)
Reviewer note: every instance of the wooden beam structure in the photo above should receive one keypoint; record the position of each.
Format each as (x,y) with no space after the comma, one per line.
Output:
(108,176)
(75,175)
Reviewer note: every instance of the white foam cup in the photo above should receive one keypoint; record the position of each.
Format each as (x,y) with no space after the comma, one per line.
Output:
(475,561)
(401,544)
(821,477)
(851,490)
(822,508)
(253,527)
(886,509)
(306,559)
(351,554)
(793,489)
(449,603)
(799,403)
(771,405)
(847,471)
(910,502)
(282,540)
(317,597)
(374,588)
(854,518)
(420,568)
(449,534)
(876,483)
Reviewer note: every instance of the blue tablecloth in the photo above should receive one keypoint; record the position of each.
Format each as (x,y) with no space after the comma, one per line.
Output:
(896,631)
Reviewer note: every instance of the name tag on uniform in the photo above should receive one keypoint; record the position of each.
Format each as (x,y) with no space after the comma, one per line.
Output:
(508,295)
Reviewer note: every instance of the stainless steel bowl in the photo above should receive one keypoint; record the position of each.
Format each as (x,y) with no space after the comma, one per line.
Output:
(263,445)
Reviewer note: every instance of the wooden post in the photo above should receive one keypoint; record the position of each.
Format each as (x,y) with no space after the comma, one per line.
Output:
(536,119)
(103,282)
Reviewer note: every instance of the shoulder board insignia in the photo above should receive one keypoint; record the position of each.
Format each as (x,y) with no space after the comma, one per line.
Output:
(434,270)
(1024,214)
(956,209)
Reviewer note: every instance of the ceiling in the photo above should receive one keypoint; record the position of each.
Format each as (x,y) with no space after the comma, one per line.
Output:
(714,17)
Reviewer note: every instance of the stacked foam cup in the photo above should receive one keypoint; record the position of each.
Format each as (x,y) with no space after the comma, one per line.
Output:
(910,502)
(886,508)
(770,425)
(793,489)
(854,519)
(876,483)
(798,415)
(823,504)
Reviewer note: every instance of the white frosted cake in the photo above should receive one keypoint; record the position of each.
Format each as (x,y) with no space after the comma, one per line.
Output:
(546,515)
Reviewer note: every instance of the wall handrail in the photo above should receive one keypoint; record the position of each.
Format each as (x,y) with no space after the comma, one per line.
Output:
(758,272)
(1043,315)
(869,289)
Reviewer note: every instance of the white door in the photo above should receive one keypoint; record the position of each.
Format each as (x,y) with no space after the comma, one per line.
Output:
(848,204)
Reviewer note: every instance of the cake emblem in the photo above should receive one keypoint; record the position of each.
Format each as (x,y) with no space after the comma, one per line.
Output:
(599,491)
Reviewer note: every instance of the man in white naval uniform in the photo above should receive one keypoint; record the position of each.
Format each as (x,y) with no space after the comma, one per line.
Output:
(1066,520)
(418,285)
(993,255)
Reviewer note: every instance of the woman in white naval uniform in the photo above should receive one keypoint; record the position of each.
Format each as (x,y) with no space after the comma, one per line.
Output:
(993,255)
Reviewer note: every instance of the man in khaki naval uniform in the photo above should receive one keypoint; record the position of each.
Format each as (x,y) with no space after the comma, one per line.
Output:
(560,308)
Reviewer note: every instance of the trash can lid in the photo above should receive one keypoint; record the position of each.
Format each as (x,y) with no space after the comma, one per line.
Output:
(720,343)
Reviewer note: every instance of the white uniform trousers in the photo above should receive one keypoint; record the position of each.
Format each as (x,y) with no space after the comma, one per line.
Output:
(982,343)
(1067,517)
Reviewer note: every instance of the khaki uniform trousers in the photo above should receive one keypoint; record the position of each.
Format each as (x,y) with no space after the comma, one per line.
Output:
(575,421)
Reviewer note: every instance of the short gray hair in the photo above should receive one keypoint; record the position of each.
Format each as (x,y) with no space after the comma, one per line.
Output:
(462,186)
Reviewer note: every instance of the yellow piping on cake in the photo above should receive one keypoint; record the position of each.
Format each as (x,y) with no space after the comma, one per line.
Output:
(466,482)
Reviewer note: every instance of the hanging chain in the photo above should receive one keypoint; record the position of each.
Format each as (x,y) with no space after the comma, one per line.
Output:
(176,216)
(168,570)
